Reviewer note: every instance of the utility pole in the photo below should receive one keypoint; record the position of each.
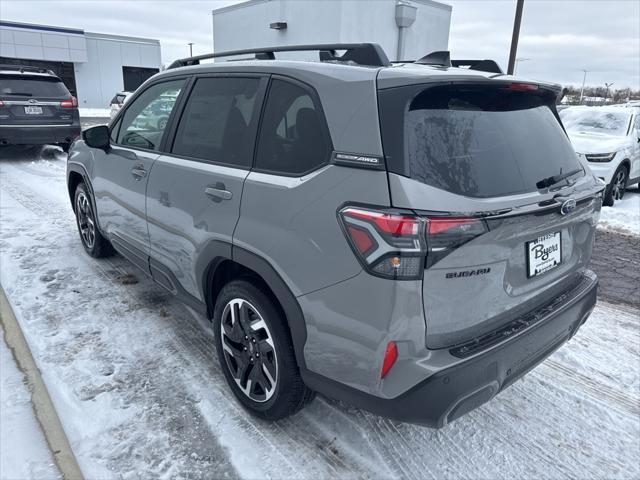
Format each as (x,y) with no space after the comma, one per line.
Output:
(606,93)
(582,89)
(516,35)
(190,49)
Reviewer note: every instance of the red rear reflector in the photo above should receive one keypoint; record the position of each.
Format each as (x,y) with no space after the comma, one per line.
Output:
(388,223)
(361,239)
(523,87)
(439,225)
(70,103)
(390,357)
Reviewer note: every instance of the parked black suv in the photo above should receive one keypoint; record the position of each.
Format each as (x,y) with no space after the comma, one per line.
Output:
(36,108)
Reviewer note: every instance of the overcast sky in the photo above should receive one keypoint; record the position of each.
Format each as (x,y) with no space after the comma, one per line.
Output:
(560,37)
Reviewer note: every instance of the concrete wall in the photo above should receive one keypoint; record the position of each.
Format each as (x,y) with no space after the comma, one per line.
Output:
(246,25)
(101,76)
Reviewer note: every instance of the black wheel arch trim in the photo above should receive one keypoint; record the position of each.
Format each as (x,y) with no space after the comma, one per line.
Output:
(78,168)
(219,251)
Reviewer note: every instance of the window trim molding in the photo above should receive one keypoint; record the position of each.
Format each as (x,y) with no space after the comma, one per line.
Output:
(317,104)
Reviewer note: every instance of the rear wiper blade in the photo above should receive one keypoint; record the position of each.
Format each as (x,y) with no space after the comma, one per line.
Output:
(552,180)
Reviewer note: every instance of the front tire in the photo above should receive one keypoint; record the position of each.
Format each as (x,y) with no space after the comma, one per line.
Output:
(617,187)
(92,240)
(256,353)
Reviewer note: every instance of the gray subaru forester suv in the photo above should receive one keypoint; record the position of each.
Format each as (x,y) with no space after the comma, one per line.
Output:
(410,238)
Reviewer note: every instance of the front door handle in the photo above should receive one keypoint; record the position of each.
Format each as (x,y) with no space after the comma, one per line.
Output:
(138,172)
(218,193)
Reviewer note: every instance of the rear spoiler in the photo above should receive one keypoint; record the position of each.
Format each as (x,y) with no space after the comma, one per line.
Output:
(443,59)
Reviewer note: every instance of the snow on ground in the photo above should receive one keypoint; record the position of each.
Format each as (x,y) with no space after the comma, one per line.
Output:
(624,216)
(134,377)
(24,453)
(94,112)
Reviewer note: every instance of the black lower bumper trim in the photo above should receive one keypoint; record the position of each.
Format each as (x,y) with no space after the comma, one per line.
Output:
(451,393)
(20,135)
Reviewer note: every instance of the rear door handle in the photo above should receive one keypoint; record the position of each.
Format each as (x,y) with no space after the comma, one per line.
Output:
(138,172)
(218,193)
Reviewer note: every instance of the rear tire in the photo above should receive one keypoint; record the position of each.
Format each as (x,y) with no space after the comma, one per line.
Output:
(616,189)
(256,353)
(92,240)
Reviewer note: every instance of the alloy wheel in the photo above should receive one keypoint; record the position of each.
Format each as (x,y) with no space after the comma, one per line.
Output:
(86,223)
(249,350)
(619,184)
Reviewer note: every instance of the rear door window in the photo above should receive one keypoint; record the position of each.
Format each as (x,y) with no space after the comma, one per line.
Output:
(293,137)
(26,86)
(218,123)
(474,141)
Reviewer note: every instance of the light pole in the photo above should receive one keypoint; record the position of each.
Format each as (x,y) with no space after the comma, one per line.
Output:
(519,59)
(190,49)
(514,38)
(606,93)
(584,78)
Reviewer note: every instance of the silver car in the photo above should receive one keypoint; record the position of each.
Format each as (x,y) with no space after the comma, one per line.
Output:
(409,238)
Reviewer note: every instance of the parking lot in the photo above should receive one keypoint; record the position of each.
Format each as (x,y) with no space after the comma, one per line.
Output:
(133,374)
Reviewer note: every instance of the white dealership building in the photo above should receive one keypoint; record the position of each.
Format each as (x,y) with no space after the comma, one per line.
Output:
(406,29)
(94,66)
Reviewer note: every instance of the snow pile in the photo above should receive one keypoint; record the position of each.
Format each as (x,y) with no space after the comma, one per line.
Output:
(94,112)
(624,216)
(24,453)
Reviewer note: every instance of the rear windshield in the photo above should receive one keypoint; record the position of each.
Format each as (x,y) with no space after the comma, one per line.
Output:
(25,86)
(474,140)
(595,120)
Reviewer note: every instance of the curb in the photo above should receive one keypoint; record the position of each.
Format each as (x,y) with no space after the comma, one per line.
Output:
(42,405)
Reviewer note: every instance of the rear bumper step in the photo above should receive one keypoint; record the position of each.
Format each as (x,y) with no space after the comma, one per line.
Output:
(454,391)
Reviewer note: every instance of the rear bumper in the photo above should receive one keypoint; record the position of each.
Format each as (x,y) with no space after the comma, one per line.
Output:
(38,135)
(454,391)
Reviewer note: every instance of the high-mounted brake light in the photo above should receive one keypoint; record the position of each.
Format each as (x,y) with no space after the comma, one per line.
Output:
(522,87)
(390,357)
(69,103)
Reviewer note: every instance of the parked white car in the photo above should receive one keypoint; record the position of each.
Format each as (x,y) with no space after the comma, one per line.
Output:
(609,139)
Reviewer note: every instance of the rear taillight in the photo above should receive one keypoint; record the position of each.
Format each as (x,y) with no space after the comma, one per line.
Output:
(445,234)
(388,244)
(69,103)
(395,245)
(1,104)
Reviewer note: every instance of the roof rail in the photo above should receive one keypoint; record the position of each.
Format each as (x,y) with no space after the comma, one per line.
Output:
(369,54)
(485,65)
(26,68)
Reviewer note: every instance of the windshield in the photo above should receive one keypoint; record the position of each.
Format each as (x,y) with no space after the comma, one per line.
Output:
(476,141)
(593,120)
(33,87)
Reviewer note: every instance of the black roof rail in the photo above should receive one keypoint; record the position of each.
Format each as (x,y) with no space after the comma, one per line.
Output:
(485,65)
(26,68)
(368,54)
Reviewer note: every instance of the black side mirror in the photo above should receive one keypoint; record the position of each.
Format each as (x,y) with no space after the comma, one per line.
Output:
(97,137)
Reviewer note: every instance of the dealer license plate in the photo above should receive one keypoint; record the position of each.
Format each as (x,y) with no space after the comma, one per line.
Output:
(544,253)
(31,110)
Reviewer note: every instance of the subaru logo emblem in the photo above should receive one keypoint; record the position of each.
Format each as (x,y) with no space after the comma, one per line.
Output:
(33,100)
(568,207)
